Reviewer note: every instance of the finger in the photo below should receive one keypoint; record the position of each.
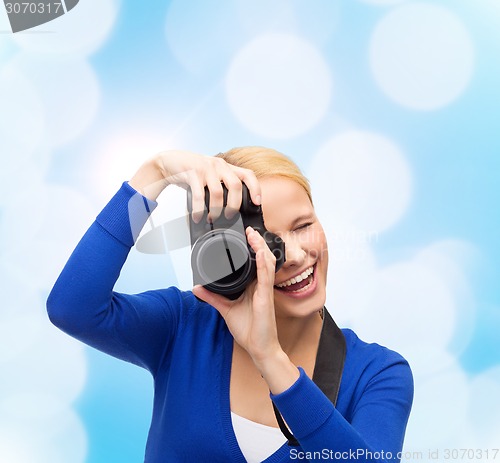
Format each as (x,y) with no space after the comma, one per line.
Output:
(234,194)
(265,259)
(216,197)
(220,303)
(248,177)
(263,292)
(256,241)
(197,197)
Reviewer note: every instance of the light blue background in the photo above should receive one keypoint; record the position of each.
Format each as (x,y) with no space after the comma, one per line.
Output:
(159,78)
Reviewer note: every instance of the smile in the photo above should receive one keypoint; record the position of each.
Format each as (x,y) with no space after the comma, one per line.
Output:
(297,279)
(300,285)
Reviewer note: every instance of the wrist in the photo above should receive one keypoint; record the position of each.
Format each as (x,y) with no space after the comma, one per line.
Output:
(149,180)
(158,164)
(278,371)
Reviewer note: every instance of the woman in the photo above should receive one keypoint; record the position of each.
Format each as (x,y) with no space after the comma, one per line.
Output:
(220,365)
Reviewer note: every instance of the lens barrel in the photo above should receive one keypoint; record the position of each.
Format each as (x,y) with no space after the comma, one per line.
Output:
(223,262)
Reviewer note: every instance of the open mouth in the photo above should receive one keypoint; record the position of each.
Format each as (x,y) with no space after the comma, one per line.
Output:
(299,283)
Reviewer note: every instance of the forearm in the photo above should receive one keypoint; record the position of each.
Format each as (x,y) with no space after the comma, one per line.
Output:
(377,424)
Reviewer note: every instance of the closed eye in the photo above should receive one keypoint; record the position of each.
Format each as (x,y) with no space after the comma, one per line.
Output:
(302,221)
(303,226)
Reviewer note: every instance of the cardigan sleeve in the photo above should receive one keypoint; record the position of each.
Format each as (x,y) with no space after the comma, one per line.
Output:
(376,431)
(82,303)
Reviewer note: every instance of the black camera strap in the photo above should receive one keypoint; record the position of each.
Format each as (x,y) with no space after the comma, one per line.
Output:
(327,370)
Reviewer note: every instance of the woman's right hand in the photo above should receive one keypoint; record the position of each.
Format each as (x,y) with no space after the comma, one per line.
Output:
(188,169)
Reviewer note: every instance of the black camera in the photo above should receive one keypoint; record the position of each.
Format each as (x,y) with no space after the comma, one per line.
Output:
(221,258)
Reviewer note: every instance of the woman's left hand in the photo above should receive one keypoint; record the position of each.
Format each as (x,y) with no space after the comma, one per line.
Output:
(252,322)
(251,318)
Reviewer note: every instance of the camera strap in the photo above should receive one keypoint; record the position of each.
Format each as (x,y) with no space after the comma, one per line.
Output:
(327,370)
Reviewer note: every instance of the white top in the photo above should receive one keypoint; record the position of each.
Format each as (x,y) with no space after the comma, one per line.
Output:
(256,441)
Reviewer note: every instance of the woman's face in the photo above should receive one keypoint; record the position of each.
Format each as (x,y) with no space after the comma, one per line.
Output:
(300,284)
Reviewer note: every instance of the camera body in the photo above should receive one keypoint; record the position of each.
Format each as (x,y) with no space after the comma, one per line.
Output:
(221,258)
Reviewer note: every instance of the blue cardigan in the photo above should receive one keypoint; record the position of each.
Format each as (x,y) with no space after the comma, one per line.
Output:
(187,347)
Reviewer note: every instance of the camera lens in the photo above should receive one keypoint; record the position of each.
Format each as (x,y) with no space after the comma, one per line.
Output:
(223,261)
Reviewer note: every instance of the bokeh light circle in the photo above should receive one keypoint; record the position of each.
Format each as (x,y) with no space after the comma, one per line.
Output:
(69,90)
(351,262)
(484,408)
(451,259)
(402,304)
(439,410)
(365,179)
(421,56)
(46,428)
(278,86)
(54,231)
(22,125)
(121,155)
(21,317)
(198,36)
(53,364)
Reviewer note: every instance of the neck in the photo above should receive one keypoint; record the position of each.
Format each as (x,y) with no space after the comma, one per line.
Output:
(299,335)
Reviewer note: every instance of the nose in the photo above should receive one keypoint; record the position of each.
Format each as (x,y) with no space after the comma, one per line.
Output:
(295,254)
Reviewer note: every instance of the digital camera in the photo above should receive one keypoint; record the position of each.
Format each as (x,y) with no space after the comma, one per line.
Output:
(221,258)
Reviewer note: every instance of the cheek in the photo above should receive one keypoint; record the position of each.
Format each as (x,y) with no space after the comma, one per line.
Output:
(318,248)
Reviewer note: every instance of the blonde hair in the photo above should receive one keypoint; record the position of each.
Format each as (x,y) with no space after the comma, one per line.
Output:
(265,163)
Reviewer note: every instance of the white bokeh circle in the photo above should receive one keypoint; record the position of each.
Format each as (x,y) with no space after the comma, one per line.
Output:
(203,35)
(39,254)
(13,448)
(198,36)
(21,317)
(451,259)
(54,364)
(45,428)
(69,90)
(484,408)
(402,304)
(418,357)
(122,154)
(439,409)
(20,224)
(421,56)
(22,125)
(368,182)
(278,86)
(351,262)
(80,31)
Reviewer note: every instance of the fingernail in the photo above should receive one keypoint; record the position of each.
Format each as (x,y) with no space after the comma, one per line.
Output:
(258,199)
(229,213)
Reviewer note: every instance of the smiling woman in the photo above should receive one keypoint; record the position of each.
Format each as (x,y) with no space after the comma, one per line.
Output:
(228,373)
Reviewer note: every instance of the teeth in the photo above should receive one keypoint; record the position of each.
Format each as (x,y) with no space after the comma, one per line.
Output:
(297,279)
